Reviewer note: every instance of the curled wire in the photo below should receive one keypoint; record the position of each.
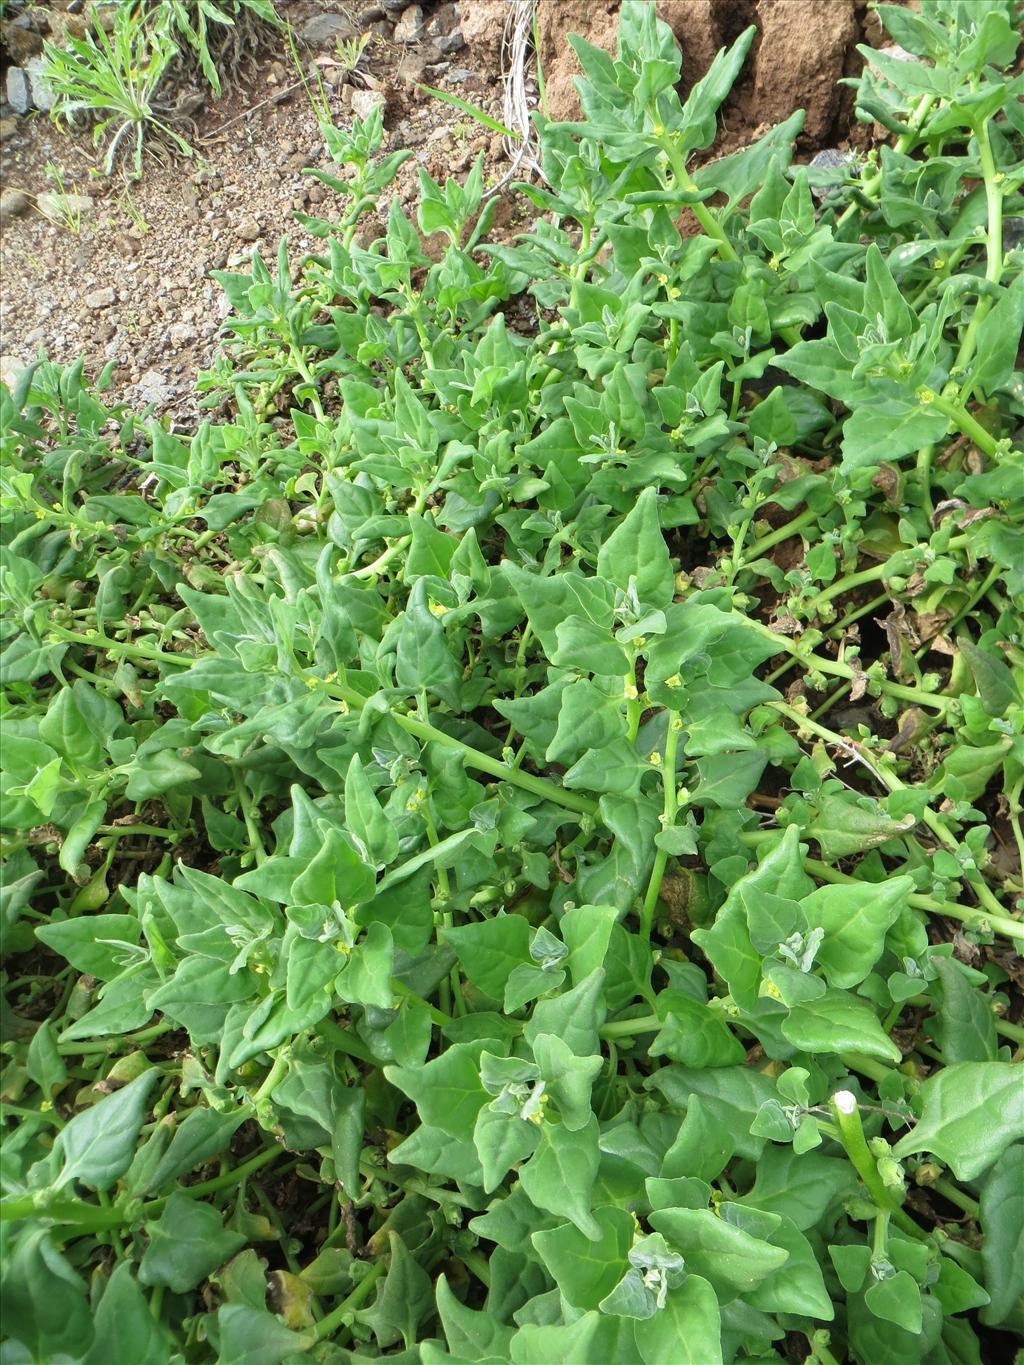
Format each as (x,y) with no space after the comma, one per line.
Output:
(516,57)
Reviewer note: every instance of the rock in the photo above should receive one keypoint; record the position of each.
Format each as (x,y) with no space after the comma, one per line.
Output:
(10,367)
(19,91)
(249,229)
(364,102)
(19,41)
(396,6)
(443,29)
(803,47)
(556,19)
(482,24)
(12,204)
(154,388)
(8,127)
(54,205)
(99,298)
(65,26)
(412,69)
(409,28)
(42,91)
(327,28)
(369,15)
(181,334)
(697,27)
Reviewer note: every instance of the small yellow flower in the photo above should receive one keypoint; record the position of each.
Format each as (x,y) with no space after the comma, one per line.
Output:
(674,681)
(630,692)
(436,609)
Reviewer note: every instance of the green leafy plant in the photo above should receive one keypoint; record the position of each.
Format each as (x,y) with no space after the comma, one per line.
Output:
(349,51)
(123,79)
(478,883)
(61,206)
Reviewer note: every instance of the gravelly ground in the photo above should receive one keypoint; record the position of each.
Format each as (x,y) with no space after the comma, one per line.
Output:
(130,282)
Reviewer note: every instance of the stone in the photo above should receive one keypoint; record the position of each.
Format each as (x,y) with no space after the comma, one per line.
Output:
(249,229)
(596,23)
(413,70)
(482,24)
(19,41)
(365,102)
(409,28)
(396,6)
(803,47)
(10,367)
(328,28)
(65,26)
(42,91)
(54,205)
(8,127)
(444,30)
(181,334)
(450,42)
(13,203)
(19,91)
(99,298)
(154,388)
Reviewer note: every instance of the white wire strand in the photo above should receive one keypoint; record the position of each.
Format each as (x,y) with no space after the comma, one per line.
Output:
(516,46)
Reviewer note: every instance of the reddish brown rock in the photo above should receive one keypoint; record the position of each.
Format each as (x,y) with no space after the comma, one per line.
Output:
(801,54)
(802,49)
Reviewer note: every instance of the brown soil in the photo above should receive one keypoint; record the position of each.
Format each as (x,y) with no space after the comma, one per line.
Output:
(154,242)
(802,49)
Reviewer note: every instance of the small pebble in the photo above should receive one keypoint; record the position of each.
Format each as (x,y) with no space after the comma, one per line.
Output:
(99,298)
(12,204)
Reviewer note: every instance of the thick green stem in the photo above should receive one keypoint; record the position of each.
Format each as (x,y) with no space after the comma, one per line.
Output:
(844,1109)
(970,427)
(994,252)
(709,223)
(668,776)
(816,663)
(971,915)
(341,1316)
(275,1074)
(90,1218)
(474,758)
(820,1353)
(903,144)
(783,533)
(955,1196)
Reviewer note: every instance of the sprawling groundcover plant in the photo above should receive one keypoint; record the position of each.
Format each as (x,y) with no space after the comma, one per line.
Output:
(511,830)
